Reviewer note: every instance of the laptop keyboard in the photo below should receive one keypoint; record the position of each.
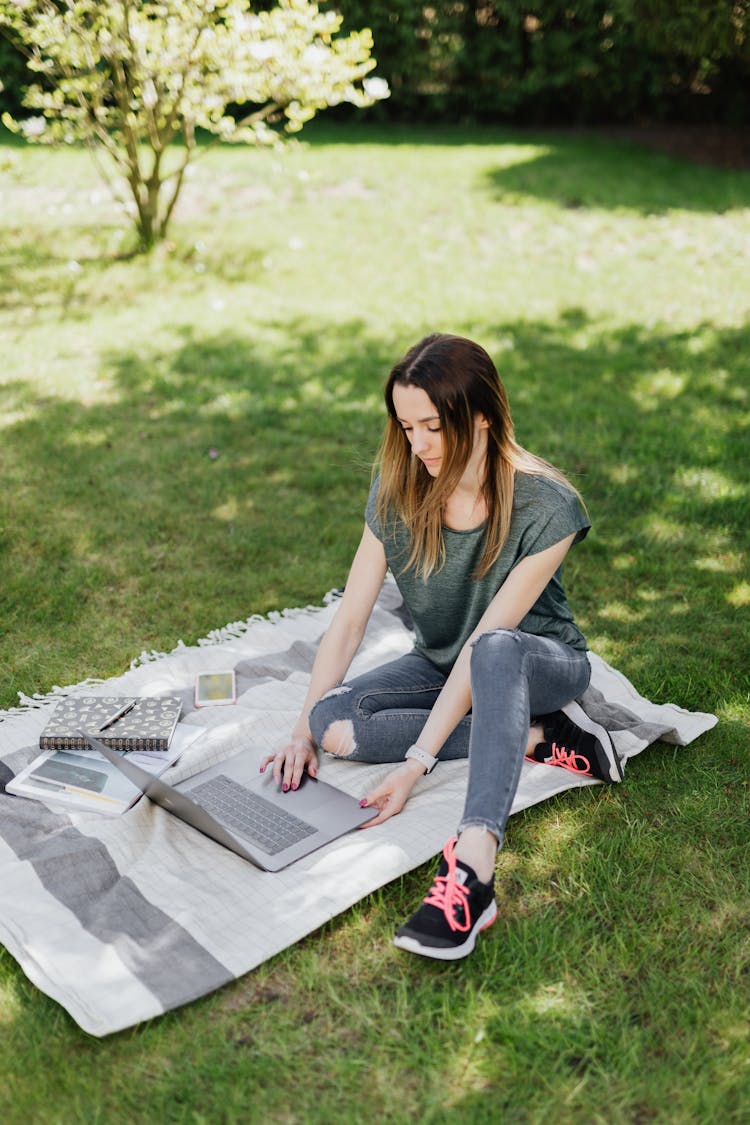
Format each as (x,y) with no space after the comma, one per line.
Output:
(250,815)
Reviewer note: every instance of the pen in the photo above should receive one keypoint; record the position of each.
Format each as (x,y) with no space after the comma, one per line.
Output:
(122,712)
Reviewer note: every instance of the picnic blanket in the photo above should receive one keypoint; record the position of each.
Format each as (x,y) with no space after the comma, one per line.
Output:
(121,919)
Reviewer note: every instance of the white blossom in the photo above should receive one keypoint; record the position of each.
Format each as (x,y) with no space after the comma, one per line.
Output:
(376,88)
(262,51)
(34,127)
(150,97)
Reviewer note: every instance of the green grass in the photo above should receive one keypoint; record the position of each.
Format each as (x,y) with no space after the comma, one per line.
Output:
(610,284)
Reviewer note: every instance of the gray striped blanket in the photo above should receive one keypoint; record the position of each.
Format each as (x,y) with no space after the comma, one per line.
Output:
(121,919)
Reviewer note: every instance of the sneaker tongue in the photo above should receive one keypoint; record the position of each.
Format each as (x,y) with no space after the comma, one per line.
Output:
(464,873)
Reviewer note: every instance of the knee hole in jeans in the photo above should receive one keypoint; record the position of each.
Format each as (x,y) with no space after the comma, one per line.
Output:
(338,738)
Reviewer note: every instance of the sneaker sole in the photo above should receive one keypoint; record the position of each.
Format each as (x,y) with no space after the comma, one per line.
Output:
(577,714)
(453,952)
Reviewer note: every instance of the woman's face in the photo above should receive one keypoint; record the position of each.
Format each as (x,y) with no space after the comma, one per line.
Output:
(420,422)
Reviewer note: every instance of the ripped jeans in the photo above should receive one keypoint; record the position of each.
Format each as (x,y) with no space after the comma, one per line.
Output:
(514,675)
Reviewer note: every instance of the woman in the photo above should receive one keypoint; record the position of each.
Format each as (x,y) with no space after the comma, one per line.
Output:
(474,529)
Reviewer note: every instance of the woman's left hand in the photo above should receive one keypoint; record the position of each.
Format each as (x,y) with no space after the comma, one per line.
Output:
(392,794)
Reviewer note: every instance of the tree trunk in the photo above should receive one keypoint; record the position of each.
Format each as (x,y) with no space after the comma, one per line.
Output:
(145,222)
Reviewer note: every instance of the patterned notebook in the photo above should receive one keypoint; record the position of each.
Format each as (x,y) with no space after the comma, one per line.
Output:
(148,724)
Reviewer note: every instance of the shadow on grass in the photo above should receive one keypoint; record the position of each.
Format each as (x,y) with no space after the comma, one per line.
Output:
(228,476)
(33,279)
(37,281)
(617,175)
(590,171)
(217,481)
(653,427)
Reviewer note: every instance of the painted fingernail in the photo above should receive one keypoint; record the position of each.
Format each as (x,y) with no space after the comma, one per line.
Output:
(363,802)
(262,769)
(284,788)
(294,785)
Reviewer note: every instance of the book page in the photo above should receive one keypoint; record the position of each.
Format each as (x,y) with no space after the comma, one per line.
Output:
(85,780)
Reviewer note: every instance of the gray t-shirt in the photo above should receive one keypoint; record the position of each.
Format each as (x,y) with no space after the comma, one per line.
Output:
(447,606)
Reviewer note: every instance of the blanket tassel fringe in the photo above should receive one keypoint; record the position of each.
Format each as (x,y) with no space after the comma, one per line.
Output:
(231,631)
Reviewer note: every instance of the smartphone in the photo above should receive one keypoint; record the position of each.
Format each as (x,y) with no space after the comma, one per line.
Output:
(215,689)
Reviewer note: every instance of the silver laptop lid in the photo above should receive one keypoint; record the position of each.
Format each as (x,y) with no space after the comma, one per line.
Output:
(331,812)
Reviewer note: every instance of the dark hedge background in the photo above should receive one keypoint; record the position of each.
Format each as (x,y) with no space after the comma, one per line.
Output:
(561,62)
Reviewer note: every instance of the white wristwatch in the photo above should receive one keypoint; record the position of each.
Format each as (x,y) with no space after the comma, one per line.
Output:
(429,761)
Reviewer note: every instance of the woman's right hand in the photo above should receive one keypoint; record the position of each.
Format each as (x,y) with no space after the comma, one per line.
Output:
(291,761)
(392,794)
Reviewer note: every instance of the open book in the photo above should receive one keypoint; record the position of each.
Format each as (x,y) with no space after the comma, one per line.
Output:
(86,781)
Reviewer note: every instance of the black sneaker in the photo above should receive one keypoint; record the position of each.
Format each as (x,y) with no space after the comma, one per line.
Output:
(575,742)
(456,909)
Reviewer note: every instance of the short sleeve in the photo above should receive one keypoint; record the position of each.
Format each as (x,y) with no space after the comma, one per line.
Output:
(551,513)
(371,510)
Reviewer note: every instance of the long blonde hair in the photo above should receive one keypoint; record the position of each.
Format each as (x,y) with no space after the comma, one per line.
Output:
(461,381)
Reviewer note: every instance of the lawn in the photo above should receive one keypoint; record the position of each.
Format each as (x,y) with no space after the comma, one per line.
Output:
(186,441)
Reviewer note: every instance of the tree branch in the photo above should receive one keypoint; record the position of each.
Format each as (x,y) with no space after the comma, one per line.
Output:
(189,136)
(169,129)
(258,115)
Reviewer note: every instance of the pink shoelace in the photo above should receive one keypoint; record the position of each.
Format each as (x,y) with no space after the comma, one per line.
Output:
(568,759)
(447,893)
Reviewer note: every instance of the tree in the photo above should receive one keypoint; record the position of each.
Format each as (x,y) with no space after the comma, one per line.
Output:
(703,35)
(129,78)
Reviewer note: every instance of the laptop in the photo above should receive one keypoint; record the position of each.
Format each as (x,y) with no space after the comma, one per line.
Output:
(246,811)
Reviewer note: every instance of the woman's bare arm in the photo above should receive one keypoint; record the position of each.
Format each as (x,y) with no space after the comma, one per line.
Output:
(335,653)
